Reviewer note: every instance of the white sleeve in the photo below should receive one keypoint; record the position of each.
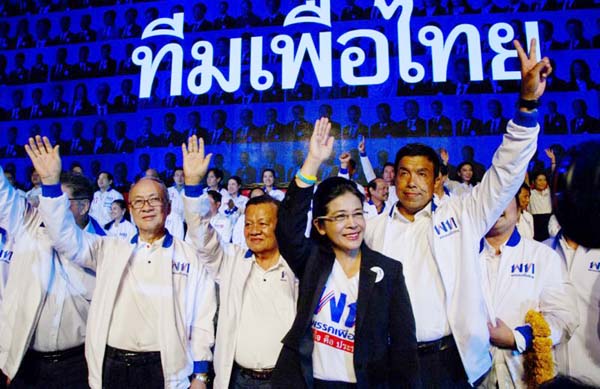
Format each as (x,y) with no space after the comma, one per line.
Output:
(553,226)
(202,236)
(203,327)
(558,299)
(68,239)
(367,168)
(500,183)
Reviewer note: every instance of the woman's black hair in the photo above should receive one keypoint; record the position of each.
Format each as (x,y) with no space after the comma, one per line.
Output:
(274,176)
(460,165)
(327,191)
(123,205)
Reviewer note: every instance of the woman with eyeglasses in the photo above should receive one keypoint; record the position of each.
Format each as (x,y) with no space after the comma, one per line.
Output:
(354,326)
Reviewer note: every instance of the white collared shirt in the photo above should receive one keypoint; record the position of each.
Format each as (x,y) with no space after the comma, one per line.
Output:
(268,311)
(525,225)
(540,202)
(134,323)
(100,207)
(124,230)
(176,200)
(63,314)
(423,281)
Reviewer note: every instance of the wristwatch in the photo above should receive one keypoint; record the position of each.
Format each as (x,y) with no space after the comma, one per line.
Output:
(202,377)
(529,104)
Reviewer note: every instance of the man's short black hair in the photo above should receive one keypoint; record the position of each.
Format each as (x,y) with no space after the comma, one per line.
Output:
(81,187)
(216,196)
(264,199)
(419,150)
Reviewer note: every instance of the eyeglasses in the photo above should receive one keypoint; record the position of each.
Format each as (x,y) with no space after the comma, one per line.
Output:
(343,217)
(152,201)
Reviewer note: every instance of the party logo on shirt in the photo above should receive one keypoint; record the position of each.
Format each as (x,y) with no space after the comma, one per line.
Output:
(594,266)
(182,268)
(523,270)
(337,329)
(446,227)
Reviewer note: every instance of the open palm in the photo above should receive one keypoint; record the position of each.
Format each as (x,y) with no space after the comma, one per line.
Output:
(45,158)
(321,143)
(195,163)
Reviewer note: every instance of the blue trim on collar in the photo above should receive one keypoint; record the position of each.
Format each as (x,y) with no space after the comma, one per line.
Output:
(514,239)
(556,241)
(433,206)
(446,191)
(98,230)
(248,254)
(51,190)
(168,242)
(392,210)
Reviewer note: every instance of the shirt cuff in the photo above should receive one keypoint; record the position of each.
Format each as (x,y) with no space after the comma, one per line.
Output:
(526,119)
(51,190)
(193,190)
(343,170)
(523,338)
(362,155)
(200,367)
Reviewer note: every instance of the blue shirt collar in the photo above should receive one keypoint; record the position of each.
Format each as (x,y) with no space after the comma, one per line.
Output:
(167,242)
(513,241)
(94,227)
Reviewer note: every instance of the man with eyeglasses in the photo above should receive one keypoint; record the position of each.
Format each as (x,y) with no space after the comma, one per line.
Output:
(151,321)
(46,299)
(257,288)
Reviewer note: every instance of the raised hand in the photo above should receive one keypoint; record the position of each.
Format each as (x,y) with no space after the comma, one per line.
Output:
(533,73)
(321,143)
(45,158)
(444,156)
(345,160)
(362,148)
(550,154)
(195,163)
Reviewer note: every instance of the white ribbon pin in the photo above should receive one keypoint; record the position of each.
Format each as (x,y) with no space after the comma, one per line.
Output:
(378,272)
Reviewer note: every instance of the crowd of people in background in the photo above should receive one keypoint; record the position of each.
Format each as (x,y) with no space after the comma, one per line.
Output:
(333,285)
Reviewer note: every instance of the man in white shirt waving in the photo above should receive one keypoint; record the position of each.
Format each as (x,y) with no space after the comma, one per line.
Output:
(438,246)
(151,321)
(44,305)
(258,290)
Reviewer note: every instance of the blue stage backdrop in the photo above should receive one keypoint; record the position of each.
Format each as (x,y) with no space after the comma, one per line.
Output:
(120,84)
